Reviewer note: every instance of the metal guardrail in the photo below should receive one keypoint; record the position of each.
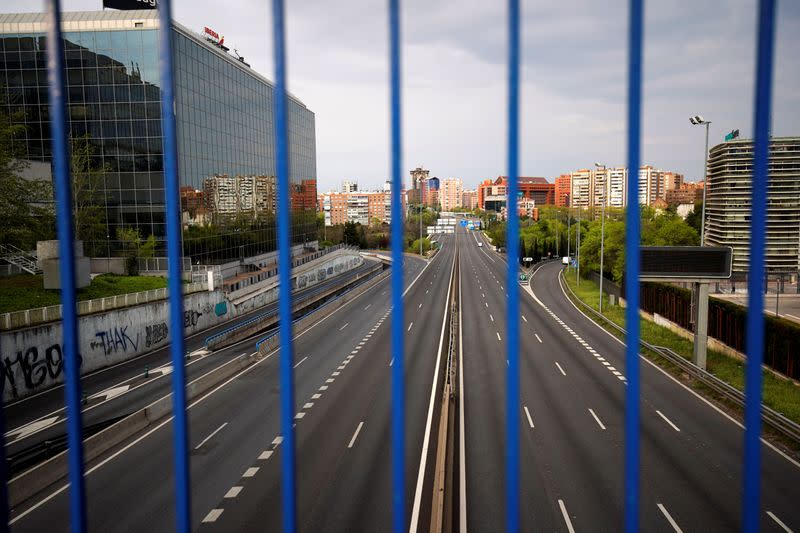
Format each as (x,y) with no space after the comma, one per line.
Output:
(305,297)
(771,418)
(41,315)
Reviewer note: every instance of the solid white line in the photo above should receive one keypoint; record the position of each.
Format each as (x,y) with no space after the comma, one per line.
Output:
(667,420)
(212,434)
(669,519)
(538,338)
(250,472)
(345,325)
(778,521)
(426,440)
(462,485)
(233,492)
(561,369)
(795,317)
(565,514)
(212,515)
(528,414)
(596,419)
(355,435)
(409,327)
(300,362)
(498,336)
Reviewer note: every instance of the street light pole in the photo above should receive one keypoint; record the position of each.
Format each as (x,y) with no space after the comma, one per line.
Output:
(602,231)
(420,228)
(697,120)
(578,251)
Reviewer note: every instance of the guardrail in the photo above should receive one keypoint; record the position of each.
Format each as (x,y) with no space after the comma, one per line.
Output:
(307,298)
(41,315)
(771,418)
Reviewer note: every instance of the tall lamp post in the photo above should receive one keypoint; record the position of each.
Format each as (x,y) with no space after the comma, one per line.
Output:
(697,120)
(602,229)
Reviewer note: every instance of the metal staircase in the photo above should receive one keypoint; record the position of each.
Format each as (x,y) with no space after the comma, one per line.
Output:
(20,258)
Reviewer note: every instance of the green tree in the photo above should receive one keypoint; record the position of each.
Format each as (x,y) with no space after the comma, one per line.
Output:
(89,211)
(695,218)
(26,206)
(350,235)
(135,248)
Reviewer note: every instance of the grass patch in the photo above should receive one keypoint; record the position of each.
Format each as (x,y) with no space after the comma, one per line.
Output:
(25,291)
(780,394)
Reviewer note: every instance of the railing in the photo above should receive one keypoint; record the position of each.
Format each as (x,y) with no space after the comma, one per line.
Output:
(40,315)
(755,325)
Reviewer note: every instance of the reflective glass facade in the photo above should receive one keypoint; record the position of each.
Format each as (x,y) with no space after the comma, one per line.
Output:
(225,127)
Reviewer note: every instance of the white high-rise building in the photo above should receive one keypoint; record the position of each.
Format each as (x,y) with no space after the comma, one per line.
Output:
(450,193)
(349,186)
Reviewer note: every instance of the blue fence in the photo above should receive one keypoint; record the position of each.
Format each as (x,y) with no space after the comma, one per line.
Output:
(755,325)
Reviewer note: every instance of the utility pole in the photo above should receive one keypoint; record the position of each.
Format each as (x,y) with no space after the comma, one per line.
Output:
(569,233)
(420,228)
(705,188)
(602,229)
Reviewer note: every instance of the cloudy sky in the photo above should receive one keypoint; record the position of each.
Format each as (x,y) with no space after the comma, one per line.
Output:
(699,59)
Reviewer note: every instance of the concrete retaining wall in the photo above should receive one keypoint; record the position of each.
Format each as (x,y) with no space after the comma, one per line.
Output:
(31,358)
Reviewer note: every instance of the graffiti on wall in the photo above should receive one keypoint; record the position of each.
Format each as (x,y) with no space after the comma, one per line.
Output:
(115,340)
(155,333)
(190,318)
(30,368)
(221,308)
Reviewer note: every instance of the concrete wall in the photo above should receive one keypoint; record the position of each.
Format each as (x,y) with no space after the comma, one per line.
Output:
(32,358)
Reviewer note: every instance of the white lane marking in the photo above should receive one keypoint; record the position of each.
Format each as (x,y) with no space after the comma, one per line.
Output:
(490,316)
(486,304)
(114,391)
(561,369)
(323,387)
(670,519)
(482,294)
(250,472)
(498,336)
(299,415)
(335,374)
(538,338)
(565,514)
(391,362)
(778,521)
(31,428)
(667,420)
(345,325)
(277,441)
(525,319)
(212,515)
(316,396)
(300,362)
(414,522)
(308,405)
(266,454)
(329,380)
(528,414)
(427,291)
(355,435)
(420,306)
(233,492)
(367,307)
(209,437)
(597,419)
(409,327)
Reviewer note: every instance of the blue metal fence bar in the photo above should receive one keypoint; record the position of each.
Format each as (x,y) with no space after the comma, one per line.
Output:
(288,492)
(755,314)
(66,253)
(180,423)
(512,307)
(397,238)
(632,236)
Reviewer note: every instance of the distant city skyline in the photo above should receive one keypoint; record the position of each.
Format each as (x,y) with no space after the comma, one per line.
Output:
(698,59)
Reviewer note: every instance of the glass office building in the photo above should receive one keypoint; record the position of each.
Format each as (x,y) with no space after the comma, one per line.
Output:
(224,112)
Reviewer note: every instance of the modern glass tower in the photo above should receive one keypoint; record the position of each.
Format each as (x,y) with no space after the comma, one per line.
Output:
(224,112)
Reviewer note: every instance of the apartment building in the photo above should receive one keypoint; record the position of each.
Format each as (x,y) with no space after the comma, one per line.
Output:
(450,194)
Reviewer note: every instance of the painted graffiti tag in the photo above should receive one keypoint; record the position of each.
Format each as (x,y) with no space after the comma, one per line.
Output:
(114,340)
(34,369)
(190,318)
(155,333)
